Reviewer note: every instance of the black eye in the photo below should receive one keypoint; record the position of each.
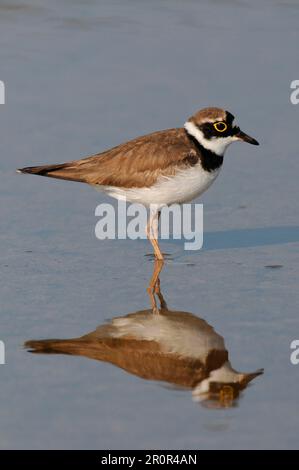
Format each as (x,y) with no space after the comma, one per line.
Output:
(220,126)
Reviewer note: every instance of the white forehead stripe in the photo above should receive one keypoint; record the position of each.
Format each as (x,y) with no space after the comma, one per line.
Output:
(217,145)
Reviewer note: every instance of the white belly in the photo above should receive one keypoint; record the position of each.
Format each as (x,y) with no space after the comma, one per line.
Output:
(186,335)
(185,186)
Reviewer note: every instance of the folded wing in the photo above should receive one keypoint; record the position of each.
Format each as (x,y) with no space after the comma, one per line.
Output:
(137,163)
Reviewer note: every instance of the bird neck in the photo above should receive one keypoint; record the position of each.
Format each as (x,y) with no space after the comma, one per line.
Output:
(210,161)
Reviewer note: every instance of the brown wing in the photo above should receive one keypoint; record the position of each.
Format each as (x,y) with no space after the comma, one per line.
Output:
(137,163)
(143,359)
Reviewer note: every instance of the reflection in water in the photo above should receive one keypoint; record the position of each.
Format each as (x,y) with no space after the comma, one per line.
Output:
(163,345)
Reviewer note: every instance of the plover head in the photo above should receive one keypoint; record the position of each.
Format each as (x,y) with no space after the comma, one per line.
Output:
(214,129)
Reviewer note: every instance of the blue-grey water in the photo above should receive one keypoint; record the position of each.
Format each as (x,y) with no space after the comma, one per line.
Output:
(82,76)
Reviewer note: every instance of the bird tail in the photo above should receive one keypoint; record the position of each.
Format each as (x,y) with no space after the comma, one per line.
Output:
(40,170)
(63,171)
(53,346)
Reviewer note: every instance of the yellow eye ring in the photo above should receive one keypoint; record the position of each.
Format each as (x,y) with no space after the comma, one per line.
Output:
(220,126)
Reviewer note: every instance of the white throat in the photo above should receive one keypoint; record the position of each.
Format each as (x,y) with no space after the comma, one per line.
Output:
(217,145)
(225,374)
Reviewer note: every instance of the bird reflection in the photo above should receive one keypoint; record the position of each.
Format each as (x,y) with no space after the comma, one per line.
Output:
(164,345)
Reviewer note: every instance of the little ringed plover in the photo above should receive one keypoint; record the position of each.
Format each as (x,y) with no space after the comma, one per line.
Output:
(158,169)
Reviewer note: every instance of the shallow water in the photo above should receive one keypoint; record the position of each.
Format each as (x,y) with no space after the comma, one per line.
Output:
(80,77)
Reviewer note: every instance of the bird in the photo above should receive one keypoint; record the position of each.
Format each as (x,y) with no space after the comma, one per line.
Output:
(175,347)
(171,166)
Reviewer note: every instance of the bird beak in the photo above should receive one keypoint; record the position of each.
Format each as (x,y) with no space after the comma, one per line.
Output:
(246,138)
